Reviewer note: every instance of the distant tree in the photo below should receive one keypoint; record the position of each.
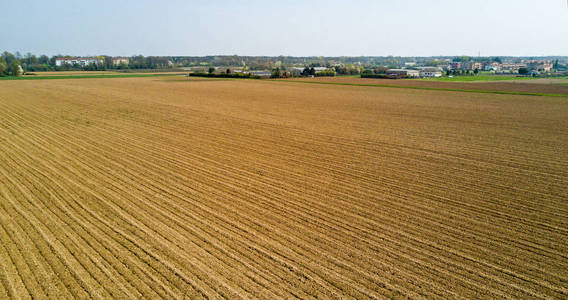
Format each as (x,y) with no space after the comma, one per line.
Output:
(380,70)
(8,57)
(228,71)
(342,70)
(44,60)
(312,71)
(523,71)
(211,70)
(3,66)
(275,73)
(497,59)
(107,61)
(14,68)
(30,59)
(52,60)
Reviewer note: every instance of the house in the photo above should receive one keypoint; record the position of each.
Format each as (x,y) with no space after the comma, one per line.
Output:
(467,65)
(477,65)
(82,61)
(430,72)
(512,67)
(117,61)
(455,65)
(494,66)
(539,65)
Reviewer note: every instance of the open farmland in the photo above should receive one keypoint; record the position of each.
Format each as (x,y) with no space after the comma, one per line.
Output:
(539,86)
(168,187)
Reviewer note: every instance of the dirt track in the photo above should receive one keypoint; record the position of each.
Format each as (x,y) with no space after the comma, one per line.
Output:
(527,86)
(144,187)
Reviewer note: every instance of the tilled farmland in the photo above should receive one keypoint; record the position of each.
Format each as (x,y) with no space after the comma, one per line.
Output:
(171,188)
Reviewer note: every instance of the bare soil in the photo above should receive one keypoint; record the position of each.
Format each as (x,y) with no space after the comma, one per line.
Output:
(152,188)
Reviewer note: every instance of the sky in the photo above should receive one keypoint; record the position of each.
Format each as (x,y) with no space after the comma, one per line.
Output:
(286,27)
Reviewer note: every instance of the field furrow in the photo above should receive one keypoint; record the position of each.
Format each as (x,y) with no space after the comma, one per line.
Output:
(160,188)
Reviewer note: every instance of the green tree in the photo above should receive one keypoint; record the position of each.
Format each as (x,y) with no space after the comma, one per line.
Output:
(44,60)
(275,73)
(107,61)
(3,66)
(14,68)
(228,71)
(211,70)
(8,57)
(523,71)
(312,71)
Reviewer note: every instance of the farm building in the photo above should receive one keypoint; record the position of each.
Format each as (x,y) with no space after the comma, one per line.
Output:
(83,61)
(431,72)
(317,69)
(403,72)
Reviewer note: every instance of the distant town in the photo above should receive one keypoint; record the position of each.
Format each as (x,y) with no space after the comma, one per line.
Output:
(285,66)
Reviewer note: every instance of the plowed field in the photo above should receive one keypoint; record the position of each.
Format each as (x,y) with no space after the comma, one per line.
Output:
(162,188)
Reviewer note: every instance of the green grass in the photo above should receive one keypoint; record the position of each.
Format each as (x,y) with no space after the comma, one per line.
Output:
(485,77)
(478,78)
(348,76)
(84,76)
(434,89)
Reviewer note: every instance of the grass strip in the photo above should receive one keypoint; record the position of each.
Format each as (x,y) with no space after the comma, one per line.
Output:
(432,88)
(84,76)
(486,78)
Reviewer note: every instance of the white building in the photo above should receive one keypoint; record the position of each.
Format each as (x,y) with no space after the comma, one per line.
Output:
(82,61)
(317,69)
(403,72)
(431,72)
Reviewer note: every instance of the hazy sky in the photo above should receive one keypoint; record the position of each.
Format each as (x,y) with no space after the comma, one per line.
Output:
(298,28)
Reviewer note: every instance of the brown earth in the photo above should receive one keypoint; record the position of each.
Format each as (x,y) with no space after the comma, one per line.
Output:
(143,187)
(539,86)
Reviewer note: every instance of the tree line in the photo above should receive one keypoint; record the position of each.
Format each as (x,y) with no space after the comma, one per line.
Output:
(10,65)
(15,64)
